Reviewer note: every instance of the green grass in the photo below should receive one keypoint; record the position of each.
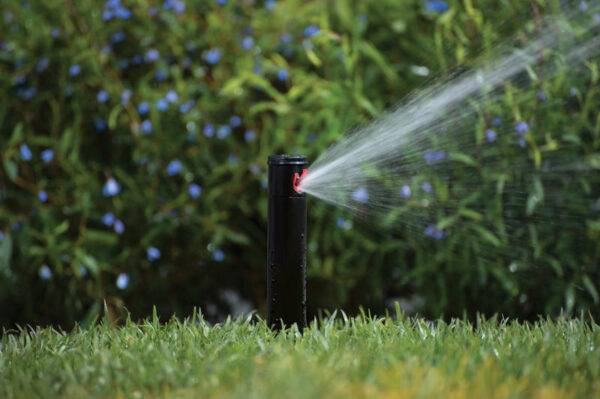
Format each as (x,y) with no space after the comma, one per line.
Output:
(343,357)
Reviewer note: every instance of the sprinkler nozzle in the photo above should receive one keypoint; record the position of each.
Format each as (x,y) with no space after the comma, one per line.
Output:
(286,256)
(298,180)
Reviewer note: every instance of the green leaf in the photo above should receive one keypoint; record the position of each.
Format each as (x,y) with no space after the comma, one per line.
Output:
(589,285)
(570,299)
(313,58)
(371,52)
(11,169)
(112,117)
(470,214)
(487,235)
(238,238)
(17,135)
(463,158)
(5,255)
(99,236)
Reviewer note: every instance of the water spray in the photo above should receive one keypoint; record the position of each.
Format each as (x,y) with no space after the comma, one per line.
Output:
(286,258)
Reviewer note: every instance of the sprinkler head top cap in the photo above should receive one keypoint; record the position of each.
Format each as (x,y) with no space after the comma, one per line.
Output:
(282,159)
(285,173)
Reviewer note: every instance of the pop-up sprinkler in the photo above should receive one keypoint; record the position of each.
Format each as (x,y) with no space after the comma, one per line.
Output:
(286,258)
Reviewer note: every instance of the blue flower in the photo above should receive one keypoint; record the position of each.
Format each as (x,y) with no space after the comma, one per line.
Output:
(233,159)
(432,157)
(43,196)
(102,96)
(143,108)
(218,255)
(123,13)
(186,62)
(26,154)
(125,97)
(541,96)
(497,121)
(137,59)
(162,105)
(27,93)
(74,70)
(161,75)
(153,254)
(100,125)
(194,190)
(114,9)
(146,126)
(111,188)
(286,38)
(152,55)
(174,167)
(108,219)
(432,231)
(311,30)
(172,96)
(490,135)
(362,20)
(282,75)
(405,191)
(573,92)
(212,56)
(247,42)
(521,128)
(361,194)
(583,7)
(20,79)
(209,130)
(221,2)
(270,5)
(55,32)
(235,121)
(177,6)
(117,37)
(106,49)
(187,106)
(45,273)
(254,169)
(122,281)
(436,6)
(249,135)
(426,187)
(522,142)
(42,64)
(343,223)
(223,131)
(257,68)
(119,227)
(83,271)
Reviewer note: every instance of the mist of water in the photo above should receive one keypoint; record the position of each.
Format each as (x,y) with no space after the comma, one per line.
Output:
(425,164)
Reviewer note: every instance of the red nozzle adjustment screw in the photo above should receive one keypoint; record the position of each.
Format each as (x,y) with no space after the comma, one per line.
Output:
(298,179)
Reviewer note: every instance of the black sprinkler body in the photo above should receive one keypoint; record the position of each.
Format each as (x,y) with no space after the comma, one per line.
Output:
(286,257)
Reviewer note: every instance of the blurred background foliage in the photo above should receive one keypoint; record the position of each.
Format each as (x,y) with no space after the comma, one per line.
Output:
(134,139)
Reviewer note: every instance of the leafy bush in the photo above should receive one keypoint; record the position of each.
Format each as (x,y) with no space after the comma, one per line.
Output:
(135,135)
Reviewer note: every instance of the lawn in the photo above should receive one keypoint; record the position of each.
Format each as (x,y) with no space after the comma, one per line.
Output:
(341,357)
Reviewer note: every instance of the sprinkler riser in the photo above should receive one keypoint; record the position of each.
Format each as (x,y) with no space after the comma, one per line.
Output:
(286,243)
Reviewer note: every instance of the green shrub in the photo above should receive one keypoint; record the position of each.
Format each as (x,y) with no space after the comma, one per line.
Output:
(135,135)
